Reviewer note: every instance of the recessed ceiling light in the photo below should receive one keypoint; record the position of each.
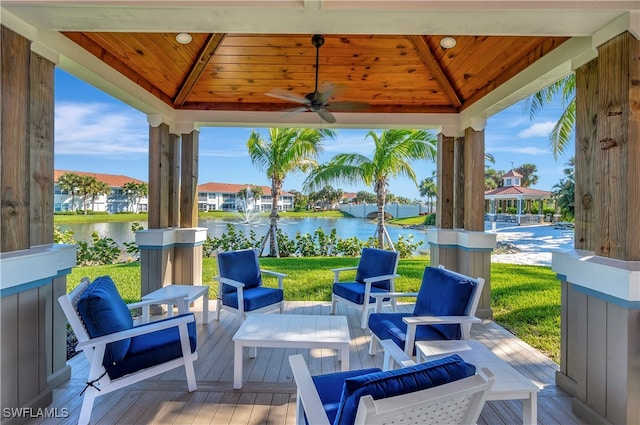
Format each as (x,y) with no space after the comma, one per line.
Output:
(448,42)
(183,38)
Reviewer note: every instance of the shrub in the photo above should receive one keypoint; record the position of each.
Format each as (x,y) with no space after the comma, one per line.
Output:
(430,219)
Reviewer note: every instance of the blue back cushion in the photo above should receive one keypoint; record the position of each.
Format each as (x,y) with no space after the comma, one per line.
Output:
(400,381)
(241,266)
(103,312)
(376,262)
(443,293)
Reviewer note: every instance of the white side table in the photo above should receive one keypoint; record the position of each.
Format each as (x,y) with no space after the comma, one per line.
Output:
(182,296)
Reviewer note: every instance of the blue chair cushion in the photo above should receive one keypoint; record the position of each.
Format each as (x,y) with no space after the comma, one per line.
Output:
(397,382)
(443,293)
(241,266)
(254,298)
(152,349)
(390,326)
(376,262)
(103,312)
(329,388)
(354,291)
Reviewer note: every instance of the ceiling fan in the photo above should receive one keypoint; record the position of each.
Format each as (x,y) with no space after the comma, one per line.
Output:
(315,101)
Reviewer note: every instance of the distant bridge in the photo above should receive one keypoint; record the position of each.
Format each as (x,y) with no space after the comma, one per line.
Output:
(393,209)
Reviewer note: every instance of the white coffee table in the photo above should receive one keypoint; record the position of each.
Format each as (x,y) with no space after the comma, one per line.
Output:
(181,296)
(290,331)
(509,384)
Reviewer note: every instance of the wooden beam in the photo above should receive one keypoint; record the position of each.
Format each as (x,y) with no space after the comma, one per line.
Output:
(159,177)
(586,150)
(474,180)
(14,141)
(41,147)
(458,183)
(431,62)
(175,147)
(198,67)
(618,153)
(444,208)
(189,180)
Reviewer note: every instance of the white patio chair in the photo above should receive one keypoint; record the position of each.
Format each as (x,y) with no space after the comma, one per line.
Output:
(118,353)
(443,391)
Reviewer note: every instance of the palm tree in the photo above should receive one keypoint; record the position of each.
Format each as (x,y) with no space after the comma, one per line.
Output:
(529,176)
(393,154)
(97,188)
(85,185)
(287,150)
(564,190)
(68,182)
(429,189)
(134,191)
(565,89)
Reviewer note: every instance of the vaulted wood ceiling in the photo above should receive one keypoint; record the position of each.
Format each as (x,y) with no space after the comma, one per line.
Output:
(386,73)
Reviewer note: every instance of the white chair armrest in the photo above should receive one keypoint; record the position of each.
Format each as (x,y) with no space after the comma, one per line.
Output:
(280,276)
(336,272)
(393,294)
(307,393)
(393,352)
(144,303)
(229,282)
(440,320)
(379,278)
(138,330)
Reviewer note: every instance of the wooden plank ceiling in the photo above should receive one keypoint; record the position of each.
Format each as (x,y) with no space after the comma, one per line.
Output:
(379,73)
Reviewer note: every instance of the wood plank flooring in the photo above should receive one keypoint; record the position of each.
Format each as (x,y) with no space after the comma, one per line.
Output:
(268,392)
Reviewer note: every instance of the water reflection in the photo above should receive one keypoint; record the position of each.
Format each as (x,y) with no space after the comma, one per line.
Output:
(345,228)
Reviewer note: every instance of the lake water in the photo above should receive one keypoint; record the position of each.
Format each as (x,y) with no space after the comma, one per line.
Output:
(345,228)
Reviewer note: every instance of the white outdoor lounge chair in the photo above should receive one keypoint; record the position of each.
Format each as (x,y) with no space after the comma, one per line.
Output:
(118,353)
(443,391)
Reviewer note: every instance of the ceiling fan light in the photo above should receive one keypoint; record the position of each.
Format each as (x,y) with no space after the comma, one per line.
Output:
(448,42)
(184,38)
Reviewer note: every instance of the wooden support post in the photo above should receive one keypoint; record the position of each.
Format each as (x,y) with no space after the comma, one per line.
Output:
(618,153)
(458,183)
(174,180)
(474,180)
(189,180)
(159,166)
(444,210)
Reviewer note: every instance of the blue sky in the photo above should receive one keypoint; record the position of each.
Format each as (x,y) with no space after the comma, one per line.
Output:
(96,132)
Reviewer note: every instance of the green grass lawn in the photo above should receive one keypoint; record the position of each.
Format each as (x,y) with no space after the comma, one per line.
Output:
(408,221)
(525,299)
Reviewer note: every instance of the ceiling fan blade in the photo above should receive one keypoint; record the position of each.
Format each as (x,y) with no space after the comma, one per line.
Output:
(288,96)
(326,115)
(292,111)
(325,93)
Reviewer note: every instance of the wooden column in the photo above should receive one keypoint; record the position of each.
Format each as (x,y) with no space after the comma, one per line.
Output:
(458,183)
(445,160)
(159,168)
(189,180)
(174,180)
(600,309)
(15,85)
(618,156)
(474,180)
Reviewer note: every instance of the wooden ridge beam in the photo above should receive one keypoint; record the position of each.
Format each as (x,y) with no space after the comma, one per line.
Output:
(432,63)
(197,69)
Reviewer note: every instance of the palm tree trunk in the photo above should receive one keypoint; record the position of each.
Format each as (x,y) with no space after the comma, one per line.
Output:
(276,187)
(380,198)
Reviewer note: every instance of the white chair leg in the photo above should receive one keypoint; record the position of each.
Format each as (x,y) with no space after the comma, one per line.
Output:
(218,308)
(333,304)
(187,357)
(373,345)
(282,307)
(87,405)
(365,316)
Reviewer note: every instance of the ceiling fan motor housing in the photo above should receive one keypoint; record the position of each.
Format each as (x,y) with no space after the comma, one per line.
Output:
(317,40)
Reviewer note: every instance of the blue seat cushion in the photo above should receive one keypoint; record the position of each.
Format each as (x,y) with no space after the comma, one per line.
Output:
(152,349)
(443,293)
(354,291)
(103,312)
(254,298)
(329,388)
(241,266)
(390,326)
(376,262)
(397,382)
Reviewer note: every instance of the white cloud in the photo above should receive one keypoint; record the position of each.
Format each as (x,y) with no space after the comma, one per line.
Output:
(99,129)
(540,129)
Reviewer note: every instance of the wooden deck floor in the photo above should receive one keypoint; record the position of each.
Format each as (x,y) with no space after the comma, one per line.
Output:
(268,393)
